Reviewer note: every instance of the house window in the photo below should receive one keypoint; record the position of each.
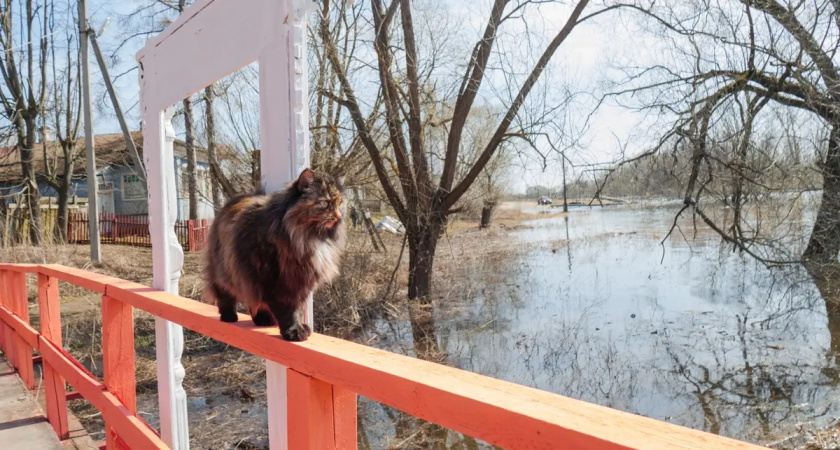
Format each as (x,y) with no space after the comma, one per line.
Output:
(202,182)
(184,185)
(105,187)
(132,187)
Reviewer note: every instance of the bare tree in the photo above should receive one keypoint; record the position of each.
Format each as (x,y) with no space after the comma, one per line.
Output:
(23,65)
(335,148)
(210,124)
(189,141)
(424,191)
(66,119)
(737,72)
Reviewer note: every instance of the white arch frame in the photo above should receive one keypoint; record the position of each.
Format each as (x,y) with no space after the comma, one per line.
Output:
(210,40)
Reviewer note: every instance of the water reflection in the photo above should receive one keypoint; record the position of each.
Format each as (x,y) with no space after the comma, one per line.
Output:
(688,332)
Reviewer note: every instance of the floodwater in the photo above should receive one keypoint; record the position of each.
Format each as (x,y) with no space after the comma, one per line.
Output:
(595,308)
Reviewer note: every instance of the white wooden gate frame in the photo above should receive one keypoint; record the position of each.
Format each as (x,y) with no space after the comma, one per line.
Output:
(210,40)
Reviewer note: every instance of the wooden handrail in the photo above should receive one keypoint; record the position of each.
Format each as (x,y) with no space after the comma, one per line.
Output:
(327,373)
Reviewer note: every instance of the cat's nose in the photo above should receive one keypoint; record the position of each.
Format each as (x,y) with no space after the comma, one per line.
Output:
(337,215)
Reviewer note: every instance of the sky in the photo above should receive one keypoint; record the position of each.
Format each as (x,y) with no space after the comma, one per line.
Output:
(580,63)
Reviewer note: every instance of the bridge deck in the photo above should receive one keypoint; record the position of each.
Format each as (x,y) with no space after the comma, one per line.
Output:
(23,425)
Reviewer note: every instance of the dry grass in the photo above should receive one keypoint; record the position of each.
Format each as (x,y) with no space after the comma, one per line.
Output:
(807,438)
(504,218)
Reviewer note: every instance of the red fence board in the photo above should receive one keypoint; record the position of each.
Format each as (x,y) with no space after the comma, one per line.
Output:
(133,230)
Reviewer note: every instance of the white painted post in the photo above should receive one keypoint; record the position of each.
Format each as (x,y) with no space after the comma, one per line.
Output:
(182,60)
(284,138)
(167,260)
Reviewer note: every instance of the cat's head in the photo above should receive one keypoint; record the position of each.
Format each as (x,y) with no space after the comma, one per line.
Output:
(320,206)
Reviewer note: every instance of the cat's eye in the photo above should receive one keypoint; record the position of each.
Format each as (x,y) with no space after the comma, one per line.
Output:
(323,204)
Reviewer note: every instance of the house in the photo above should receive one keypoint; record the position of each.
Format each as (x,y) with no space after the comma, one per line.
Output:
(121,191)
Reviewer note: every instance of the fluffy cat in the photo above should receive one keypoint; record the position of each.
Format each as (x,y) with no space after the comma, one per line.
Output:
(271,251)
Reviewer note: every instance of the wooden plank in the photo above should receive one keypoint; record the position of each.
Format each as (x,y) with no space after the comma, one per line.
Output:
(129,427)
(19,268)
(9,338)
(310,424)
(345,421)
(54,385)
(324,417)
(118,357)
(499,412)
(23,344)
(19,329)
(8,331)
(81,278)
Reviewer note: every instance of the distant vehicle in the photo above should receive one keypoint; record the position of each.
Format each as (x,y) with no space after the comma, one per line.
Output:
(543,200)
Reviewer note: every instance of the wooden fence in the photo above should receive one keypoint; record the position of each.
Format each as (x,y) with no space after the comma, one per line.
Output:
(324,375)
(14,225)
(133,230)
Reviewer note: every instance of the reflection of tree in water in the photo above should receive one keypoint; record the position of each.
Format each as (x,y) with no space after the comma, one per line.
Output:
(752,393)
(827,279)
(465,287)
(747,385)
(409,432)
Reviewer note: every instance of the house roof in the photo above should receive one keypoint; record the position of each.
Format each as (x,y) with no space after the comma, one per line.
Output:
(110,151)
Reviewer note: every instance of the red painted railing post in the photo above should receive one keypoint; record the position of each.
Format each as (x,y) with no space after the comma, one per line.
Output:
(118,357)
(191,235)
(324,415)
(18,303)
(50,324)
(5,331)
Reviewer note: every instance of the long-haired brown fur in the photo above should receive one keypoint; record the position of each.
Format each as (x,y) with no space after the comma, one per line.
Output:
(270,252)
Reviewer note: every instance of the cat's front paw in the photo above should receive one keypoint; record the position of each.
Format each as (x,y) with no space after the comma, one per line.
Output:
(229,316)
(297,332)
(263,318)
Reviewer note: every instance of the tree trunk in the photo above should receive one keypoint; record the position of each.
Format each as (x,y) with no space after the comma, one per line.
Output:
(190,143)
(210,116)
(33,196)
(61,219)
(421,248)
(65,187)
(487,213)
(824,244)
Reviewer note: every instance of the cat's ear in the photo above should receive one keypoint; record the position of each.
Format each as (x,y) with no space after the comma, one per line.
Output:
(339,181)
(306,178)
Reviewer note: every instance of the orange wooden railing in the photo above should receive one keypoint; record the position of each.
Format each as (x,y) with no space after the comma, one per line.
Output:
(324,376)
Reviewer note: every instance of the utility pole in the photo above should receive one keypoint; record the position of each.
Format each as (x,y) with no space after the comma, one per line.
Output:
(92,182)
(139,170)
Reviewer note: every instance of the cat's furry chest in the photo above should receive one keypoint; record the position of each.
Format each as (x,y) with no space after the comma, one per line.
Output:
(325,260)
